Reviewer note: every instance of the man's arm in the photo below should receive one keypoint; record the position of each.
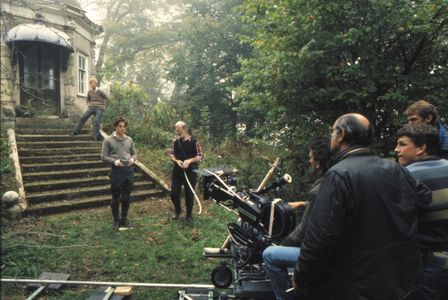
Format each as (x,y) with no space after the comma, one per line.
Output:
(198,158)
(133,153)
(105,153)
(324,230)
(173,157)
(88,98)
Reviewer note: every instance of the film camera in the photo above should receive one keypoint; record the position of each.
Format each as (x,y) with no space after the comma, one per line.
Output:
(262,220)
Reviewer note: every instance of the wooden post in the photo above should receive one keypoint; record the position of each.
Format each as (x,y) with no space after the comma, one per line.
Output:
(15,158)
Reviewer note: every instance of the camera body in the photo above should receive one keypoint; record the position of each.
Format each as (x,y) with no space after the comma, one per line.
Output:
(262,220)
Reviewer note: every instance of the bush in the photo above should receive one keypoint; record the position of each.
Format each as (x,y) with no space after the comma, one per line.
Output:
(5,163)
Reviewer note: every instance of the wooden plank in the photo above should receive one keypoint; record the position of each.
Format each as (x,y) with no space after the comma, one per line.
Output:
(147,171)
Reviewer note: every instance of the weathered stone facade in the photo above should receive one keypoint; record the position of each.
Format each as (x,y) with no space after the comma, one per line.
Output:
(40,74)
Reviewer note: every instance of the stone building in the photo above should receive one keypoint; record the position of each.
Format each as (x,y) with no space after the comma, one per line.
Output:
(47,58)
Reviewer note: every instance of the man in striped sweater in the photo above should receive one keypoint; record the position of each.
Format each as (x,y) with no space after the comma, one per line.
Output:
(417,148)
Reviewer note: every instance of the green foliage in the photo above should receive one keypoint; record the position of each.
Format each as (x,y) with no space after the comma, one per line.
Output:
(5,162)
(204,64)
(315,60)
(149,124)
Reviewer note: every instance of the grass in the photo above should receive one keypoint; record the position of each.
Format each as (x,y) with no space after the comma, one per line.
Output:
(84,245)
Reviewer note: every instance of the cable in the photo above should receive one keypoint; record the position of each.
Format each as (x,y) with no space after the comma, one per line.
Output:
(194,193)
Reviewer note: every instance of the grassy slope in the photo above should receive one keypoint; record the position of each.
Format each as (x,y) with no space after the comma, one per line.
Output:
(84,245)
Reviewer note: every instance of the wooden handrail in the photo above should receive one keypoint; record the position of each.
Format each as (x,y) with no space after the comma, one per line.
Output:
(147,171)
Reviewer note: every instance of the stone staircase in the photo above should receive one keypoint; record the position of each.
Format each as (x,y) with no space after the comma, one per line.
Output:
(63,173)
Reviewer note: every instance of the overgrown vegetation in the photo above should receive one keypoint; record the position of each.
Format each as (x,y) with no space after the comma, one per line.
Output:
(7,178)
(85,245)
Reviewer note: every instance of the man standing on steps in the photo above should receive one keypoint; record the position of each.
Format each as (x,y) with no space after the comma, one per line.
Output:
(96,102)
(186,153)
(119,151)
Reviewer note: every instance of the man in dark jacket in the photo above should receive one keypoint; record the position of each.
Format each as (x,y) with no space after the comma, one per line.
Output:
(361,238)
(278,259)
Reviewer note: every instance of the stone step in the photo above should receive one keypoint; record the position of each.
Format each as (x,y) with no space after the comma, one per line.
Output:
(56,145)
(48,167)
(69,174)
(84,203)
(53,138)
(59,158)
(48,131)
(59,151)
(60,184)
(38,120)
(48,125)
(78,193)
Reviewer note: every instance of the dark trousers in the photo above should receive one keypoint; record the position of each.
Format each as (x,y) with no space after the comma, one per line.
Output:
(177,181)
(121,184)
(95,111)
(435,285)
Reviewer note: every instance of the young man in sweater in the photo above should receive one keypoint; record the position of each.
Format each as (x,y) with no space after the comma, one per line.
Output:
(119,152)
(186,153)
(417,148)
(96,102)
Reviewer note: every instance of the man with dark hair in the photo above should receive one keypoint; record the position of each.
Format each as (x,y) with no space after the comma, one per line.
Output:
(417,148)
(424,112)
(279,258)
(186,153)
(361,237)
(96,104)
(119,151)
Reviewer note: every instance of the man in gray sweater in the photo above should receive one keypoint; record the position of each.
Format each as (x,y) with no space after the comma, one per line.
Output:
(119,152)
(96,102)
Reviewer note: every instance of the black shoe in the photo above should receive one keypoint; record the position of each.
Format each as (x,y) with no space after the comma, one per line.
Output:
(175,216)
(73,133)
(95,139)
(189,219)
(116,224)
(125,223)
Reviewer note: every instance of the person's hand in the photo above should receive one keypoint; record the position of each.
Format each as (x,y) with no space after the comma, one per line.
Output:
(180,163)
(187,163)
(131,161)
(118,163)
(297,204)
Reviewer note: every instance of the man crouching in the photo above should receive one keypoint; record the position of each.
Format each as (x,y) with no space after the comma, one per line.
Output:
(119,151)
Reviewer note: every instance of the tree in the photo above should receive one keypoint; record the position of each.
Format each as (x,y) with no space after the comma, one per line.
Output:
(133,44)
(204,64)
(315,60)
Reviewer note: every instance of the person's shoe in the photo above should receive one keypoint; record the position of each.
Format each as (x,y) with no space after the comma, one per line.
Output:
(73,133)
(116,224)
(125,223)
(189,219)
(95,139)
(175,216)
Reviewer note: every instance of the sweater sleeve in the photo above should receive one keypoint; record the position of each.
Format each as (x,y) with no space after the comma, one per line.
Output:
(133,151)
(105,151)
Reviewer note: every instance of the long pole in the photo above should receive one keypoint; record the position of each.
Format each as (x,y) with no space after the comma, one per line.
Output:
(108,283)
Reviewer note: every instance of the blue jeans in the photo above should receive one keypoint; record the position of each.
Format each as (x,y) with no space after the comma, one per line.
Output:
(435,277)
(277,260)
(98,113)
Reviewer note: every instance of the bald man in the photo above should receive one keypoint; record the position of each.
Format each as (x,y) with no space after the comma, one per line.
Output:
(361,237)
(185,153)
